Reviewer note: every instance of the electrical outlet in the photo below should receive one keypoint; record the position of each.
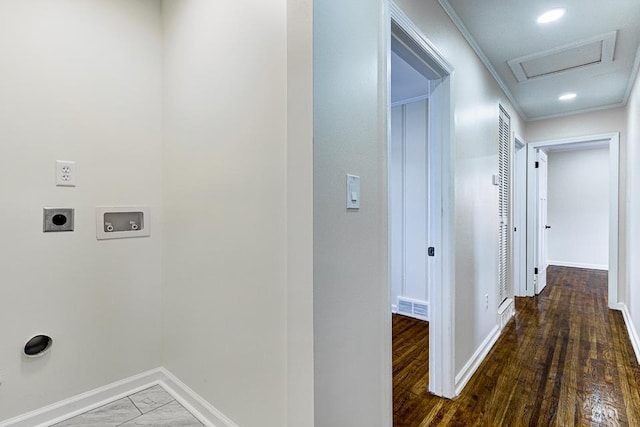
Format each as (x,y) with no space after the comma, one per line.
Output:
(65,173)
(486,301)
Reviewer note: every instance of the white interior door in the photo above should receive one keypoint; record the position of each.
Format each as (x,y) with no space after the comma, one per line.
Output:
(541,261)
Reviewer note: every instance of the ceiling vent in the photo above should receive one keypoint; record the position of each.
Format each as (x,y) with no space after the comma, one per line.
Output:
(583,53)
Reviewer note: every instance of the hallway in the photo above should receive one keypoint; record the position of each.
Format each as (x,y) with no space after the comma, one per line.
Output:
(564,360)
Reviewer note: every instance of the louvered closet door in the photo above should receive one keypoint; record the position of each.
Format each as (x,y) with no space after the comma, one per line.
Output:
(503,204)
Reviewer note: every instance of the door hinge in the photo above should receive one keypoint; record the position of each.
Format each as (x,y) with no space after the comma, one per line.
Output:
(537,165)
(431,251)
(535,270)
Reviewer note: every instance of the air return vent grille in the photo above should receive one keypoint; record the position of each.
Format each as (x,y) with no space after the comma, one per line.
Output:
(413,308)
(583,53)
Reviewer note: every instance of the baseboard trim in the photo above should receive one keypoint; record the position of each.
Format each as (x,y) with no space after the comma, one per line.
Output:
(473,363)
(579,265)
(631,330)
(75,405)
(194,402)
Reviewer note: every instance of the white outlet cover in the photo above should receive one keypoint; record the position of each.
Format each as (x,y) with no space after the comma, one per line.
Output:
(65,173)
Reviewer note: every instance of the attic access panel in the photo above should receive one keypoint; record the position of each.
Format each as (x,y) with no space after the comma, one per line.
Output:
(583,53)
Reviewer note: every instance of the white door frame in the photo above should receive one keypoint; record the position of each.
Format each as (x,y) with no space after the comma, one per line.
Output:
(613,140)
(519,212)
(440,227)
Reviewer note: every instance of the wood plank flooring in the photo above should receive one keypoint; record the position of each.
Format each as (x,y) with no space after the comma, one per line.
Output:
(566,360)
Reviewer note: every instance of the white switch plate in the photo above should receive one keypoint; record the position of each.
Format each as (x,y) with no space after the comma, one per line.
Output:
(353,192)
(65,173)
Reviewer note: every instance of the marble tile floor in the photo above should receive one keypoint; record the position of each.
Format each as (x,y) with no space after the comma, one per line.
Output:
(149,407)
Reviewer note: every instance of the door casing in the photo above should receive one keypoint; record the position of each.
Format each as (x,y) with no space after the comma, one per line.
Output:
(613,141)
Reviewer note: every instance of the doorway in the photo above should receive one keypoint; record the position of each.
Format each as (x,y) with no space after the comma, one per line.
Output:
(538,225)
(420,195)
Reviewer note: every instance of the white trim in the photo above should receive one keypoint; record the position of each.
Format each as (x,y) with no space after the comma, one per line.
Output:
(410,100)
(416,35)
(441,234)
(476,48)
(81,403)
(579,265)
(576,112)
(195,403)
(614,160)
(519,221)
(476,359)
(633,76)
(631,329)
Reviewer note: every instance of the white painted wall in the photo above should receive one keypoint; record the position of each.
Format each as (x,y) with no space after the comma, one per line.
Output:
(408,194)
(225,164)
(300,399)
(475,102)
(352,321)
(578,208)
(79,81)
(598,122)
(632,293)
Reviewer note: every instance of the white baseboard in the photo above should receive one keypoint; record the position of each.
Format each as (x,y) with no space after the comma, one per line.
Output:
(195,403)
(467,371)
(579,265)
(631,329)
(68,408)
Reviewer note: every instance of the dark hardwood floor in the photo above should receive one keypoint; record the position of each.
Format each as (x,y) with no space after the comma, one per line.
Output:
(565,360)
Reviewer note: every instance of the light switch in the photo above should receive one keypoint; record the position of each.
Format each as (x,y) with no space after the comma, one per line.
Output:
(353,192)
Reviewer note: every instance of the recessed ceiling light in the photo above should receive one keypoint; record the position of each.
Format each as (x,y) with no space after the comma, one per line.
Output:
(551,15)
(567,97)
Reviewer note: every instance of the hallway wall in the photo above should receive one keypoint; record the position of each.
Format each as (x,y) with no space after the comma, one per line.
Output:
(352,337)
(578,208)
(80,81)
(476,100)
(225,171)
(632,294)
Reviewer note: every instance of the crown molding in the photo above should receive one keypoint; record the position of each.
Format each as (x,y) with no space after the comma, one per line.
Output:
(476,48)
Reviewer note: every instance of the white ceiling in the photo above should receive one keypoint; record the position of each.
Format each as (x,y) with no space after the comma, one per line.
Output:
(503,31)
(406,82)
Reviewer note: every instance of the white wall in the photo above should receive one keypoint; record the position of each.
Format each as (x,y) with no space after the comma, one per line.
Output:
(632,293)
(225,269)
(300,404)
(79,81)
(578,208)
(475,100)
(408,195)
(352,320)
